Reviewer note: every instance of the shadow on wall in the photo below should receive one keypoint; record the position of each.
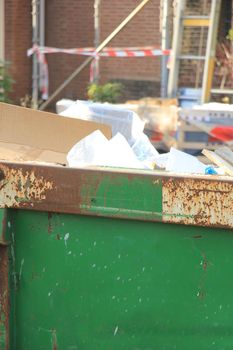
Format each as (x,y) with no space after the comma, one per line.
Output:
(137,89)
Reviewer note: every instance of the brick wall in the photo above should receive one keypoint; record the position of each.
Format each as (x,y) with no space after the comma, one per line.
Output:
(143,30)
(68,24)
(17,40)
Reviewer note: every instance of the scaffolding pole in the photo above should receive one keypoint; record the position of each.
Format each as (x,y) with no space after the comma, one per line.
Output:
(165,41)
(2,30)
(35,64)
(38,38)
(97,37)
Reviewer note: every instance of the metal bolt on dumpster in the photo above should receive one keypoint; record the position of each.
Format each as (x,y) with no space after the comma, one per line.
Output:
(111,259)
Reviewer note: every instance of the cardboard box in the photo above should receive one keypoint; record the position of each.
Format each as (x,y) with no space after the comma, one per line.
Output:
(31,135)
(153,101)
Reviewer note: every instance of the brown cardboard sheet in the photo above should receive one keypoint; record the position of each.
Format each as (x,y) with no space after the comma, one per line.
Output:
(31,135)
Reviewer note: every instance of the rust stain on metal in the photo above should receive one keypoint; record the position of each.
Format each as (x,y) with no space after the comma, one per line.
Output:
(3,228)
(204,263)
(54,340)
(201,294)
(18,186)
(4,297)
(198,202)
(2,175)
(50,222)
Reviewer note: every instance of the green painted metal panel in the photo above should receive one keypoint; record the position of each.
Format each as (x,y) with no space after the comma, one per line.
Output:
(123,196)
(3,328)
(102,283)
(5,309)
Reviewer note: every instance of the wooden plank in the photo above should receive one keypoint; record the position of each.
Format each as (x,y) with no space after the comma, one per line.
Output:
(218,160)
(226,153)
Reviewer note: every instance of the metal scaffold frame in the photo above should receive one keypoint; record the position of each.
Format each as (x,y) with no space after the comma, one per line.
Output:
(38,38)
(180,22)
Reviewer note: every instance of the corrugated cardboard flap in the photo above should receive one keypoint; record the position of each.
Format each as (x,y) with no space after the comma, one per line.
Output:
(27,134)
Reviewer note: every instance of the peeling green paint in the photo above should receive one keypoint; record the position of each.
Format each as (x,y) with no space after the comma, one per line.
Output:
(123,196)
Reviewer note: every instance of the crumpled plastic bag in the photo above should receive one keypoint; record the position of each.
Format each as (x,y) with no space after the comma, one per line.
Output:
(96,149)
(144,149)
(181,162)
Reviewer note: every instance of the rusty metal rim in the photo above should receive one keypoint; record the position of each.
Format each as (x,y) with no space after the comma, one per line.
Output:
(188,200)
(160,174)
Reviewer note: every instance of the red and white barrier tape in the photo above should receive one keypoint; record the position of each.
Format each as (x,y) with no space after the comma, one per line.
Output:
(40,51)
(106,52)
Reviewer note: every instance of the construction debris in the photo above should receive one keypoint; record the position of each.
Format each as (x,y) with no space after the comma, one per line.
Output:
(129,147)
(226,153)
(222,158)
(96,149)
(157,116)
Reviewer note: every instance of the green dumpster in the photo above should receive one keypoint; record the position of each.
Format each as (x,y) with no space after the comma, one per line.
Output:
(96,259)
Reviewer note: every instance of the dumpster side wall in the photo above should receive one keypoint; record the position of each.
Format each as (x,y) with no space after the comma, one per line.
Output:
(95,259)
(104,283)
